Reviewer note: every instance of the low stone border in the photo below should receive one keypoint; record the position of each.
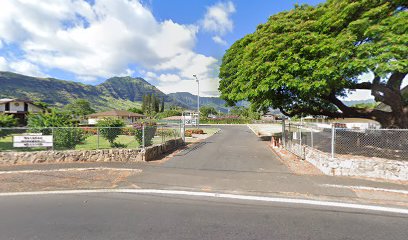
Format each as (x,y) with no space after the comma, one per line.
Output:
(105,155)
(157,151)
(353,165)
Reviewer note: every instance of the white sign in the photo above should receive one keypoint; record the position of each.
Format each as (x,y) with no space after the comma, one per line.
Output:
(32,141)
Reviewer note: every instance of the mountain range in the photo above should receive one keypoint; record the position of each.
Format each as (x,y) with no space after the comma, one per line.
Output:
(113,93)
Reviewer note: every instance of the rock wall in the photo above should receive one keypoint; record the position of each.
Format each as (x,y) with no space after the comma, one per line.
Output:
(157,151)
(343,165)
(106,155)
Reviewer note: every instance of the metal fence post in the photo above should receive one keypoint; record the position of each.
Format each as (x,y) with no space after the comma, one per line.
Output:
(53,140)
(311,138)
(97,134)
(283,133)
(143,136)
(333,141)
(163,134)
(184,131)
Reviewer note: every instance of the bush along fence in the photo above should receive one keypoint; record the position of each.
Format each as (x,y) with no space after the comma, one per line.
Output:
(137,136)
(378,153)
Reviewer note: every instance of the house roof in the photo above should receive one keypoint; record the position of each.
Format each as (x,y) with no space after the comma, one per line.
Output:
(173,118)
(10,100)
(116,113)
(7,100)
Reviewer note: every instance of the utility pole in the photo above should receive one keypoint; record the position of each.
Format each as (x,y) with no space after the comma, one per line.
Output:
(198,100)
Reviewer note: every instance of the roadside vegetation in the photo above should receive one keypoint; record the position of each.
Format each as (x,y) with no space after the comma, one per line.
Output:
(306,60)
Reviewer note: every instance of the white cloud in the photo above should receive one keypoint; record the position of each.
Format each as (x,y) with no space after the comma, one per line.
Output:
(25,67)
(104,39)
(169,78)
(218,20)
(22,67)
(219,40)
(3,64)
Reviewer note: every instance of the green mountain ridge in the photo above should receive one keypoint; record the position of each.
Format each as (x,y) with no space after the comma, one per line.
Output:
(114,93)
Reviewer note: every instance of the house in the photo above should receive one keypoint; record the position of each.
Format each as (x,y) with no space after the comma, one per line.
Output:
(127,117)
(19,108)
(272,115)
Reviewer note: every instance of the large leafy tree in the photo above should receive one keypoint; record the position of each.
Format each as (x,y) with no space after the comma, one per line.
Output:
(305,60)
(79,108)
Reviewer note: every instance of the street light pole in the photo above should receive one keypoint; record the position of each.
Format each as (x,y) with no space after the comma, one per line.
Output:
(198,99)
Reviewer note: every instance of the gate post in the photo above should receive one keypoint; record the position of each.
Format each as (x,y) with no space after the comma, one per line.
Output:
(333,141)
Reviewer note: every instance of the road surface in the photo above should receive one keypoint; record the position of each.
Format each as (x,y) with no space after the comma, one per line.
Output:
(139,216)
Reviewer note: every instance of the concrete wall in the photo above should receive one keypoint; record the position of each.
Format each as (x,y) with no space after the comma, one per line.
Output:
(107,155)
(353,165)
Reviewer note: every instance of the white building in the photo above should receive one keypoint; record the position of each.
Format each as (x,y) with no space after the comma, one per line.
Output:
(125,116)
(19,108)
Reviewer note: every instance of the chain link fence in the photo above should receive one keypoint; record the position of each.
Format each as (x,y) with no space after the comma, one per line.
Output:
(87,138)
(366,143)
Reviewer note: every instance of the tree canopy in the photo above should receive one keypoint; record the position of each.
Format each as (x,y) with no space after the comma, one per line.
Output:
(303,61)
(79,108)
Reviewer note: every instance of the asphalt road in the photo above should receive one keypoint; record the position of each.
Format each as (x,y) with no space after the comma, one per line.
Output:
(137,216)
(233,160)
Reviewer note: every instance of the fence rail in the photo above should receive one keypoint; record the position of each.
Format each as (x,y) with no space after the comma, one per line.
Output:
(366,143)
(87,138)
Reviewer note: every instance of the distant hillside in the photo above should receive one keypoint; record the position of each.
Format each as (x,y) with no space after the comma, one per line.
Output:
(190,100)
(354,102)
(116,92)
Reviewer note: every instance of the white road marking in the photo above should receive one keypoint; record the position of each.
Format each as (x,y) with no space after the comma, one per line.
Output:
(252,129)
(68,170)
(366,188)
(221,195)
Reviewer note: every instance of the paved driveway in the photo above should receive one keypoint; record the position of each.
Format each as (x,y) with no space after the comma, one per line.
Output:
(234,148)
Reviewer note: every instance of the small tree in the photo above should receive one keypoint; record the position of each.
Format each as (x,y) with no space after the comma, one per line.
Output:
(135,110)
(5,122)
(110,129)
(207,110)
(144,103)
(162,105)
(149,129)
(66,135)
(156,105)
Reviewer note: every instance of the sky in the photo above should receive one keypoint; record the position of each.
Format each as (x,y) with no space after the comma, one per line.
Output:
(164,41)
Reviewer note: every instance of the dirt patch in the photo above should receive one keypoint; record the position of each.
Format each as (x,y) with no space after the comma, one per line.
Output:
(294,163)
(70,179)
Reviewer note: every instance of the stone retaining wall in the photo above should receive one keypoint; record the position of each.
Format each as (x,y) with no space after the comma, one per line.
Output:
(347,165)
(157,151)
(106,155)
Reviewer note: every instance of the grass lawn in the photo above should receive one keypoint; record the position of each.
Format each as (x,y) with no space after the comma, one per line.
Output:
(90,143)
(6,144)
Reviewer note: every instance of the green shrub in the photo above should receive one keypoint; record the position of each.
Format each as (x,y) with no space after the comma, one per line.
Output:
(60,124)
(150,131)
(7,121)
(165,132)
(68,138)
(110,129)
